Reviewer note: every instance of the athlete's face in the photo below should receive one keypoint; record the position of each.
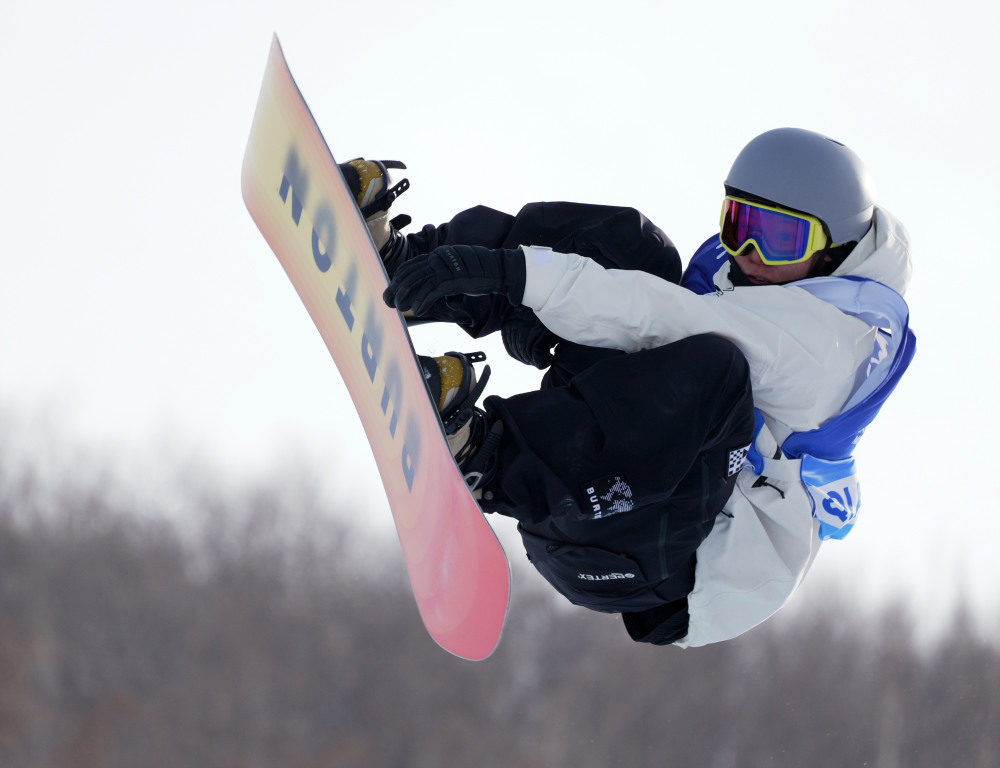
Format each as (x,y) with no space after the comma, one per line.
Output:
(759,273)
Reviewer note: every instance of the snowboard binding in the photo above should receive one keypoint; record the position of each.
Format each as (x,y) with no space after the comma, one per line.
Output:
(451,381)
(368,181)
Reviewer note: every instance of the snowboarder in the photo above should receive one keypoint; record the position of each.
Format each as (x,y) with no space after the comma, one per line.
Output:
(647,473)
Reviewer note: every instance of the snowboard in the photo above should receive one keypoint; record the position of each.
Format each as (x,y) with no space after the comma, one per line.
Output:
(296,195)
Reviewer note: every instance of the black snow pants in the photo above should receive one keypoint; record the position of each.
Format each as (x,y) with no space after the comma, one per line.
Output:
(617,467)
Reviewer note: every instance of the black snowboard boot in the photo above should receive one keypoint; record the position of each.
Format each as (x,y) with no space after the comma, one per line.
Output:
(451,380)
(369,182)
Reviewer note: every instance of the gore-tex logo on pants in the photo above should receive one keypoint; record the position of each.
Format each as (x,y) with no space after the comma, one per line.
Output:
(604,576)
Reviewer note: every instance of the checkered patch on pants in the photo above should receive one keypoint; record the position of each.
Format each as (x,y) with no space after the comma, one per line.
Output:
(737,458)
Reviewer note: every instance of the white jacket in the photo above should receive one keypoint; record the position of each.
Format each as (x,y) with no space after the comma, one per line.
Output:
(804,356)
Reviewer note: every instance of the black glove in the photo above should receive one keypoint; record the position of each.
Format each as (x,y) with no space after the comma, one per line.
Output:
(526,339)
(469,270)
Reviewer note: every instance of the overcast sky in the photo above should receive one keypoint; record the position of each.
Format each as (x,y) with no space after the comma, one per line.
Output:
(142,315)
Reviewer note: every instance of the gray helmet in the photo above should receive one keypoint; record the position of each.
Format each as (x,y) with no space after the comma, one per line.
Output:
(809,173)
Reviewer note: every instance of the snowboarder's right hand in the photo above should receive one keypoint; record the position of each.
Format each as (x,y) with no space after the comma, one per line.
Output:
(455,270)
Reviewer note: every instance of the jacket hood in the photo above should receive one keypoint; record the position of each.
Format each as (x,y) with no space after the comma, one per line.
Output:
(883,254)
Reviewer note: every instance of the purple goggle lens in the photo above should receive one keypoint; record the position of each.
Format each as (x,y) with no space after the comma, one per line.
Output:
(781,238)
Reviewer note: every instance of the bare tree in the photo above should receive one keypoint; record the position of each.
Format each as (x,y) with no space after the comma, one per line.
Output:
(279,635)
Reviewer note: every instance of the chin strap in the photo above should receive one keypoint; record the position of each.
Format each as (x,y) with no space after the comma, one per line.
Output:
(736,275)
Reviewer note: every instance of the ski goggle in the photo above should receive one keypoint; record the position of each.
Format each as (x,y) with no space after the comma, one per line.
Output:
(780,236)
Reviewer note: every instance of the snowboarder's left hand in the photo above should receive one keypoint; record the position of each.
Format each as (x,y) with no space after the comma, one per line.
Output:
(526,339)
(451,270)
